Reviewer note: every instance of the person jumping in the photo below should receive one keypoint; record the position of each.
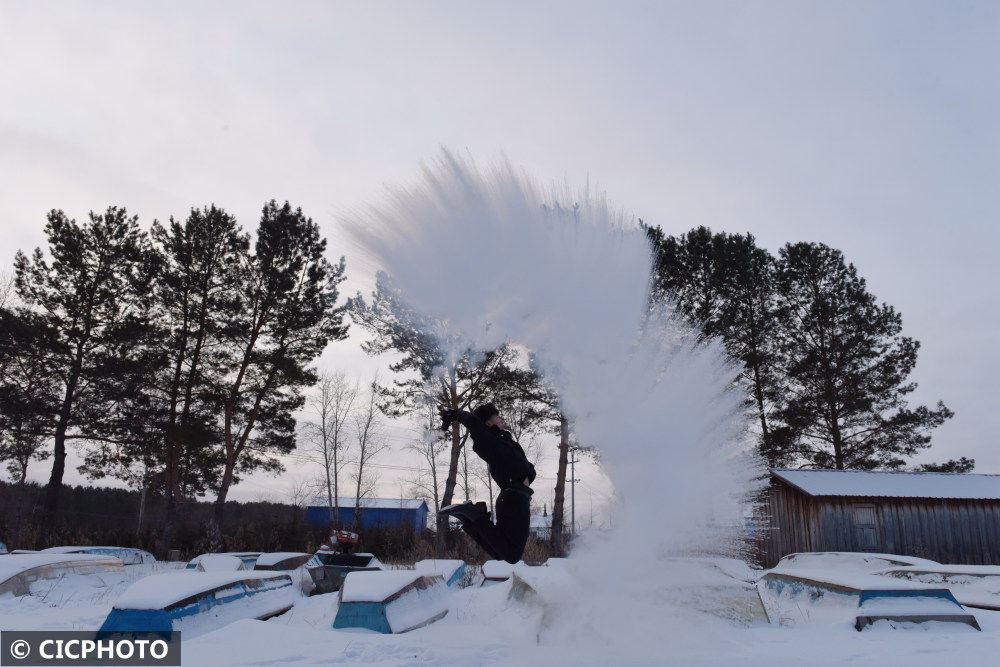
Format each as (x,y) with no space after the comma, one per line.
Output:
(512,472)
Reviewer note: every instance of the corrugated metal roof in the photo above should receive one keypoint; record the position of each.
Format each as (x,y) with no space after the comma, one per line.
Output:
(373,503)
(892,484)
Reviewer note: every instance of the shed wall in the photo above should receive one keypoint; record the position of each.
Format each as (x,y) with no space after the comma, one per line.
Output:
(948,531)
(371,517)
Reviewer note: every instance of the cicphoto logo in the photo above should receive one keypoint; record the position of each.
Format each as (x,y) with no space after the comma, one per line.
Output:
(89,648)
(20,649)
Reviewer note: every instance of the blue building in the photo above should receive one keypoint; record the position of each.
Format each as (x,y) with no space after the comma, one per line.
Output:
(375,512)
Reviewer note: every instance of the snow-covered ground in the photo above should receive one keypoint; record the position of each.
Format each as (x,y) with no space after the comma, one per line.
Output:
(677,623)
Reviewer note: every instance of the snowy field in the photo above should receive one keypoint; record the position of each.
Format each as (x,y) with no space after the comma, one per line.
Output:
(677,623)
(673,434)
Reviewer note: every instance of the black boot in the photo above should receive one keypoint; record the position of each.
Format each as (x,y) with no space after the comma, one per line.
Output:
(477,511)
(465,511)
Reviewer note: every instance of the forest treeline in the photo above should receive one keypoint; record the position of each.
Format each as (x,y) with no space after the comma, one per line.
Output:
(177,358)
(112,516)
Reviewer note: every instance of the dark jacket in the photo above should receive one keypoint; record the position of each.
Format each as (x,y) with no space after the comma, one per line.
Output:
(506,460)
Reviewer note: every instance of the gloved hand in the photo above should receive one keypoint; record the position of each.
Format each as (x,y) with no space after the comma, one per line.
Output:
(447,417)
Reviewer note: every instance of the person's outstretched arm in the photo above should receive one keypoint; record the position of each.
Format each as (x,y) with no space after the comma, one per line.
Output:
(477,429)
(484,441)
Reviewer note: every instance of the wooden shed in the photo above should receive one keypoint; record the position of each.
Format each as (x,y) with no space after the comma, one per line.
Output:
(947,517)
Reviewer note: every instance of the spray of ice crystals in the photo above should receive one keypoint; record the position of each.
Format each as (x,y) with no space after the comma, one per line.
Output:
(498,259)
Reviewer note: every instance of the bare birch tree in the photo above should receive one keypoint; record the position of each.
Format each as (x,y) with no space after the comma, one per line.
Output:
(329,437)
(370,441)
(299,495)
(428,482)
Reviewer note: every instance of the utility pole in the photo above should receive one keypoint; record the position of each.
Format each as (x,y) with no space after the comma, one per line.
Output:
(572,491)
(465,472)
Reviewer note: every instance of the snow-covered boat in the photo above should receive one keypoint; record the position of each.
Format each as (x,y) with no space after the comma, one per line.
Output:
(496,571)
(975,586)
(391,602)
(19,571)
(839,587)
(281,560)
(249,559)
(128,555)
(849,561)
(453,571)
(328,569)
(220,563)
(198,602)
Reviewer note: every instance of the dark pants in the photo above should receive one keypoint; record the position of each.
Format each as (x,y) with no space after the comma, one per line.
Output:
(506,539)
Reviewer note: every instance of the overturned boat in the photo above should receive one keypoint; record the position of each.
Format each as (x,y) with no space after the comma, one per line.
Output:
(19,571)
(328,569)
(976,586)
(127,555)
(454,572)
(281,561)
(248,558)
(198,602)
(800,590)
(391,602)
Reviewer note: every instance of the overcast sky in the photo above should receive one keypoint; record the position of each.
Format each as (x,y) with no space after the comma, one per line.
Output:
(869,126)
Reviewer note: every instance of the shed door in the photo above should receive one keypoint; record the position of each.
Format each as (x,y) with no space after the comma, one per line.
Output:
(865,537)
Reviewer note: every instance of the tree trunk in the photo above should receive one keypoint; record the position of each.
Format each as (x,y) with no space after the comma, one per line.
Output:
(758,391)
(357,497)
(172,490)
(830,394)
(465,474)
(559,503)
(219,508)
(171,471)
(434,479)
(336,488)
(234,447)
(450,483)
(329,495)
(218,512)
(54,488)
(325,442)
(838,443)
(167,532)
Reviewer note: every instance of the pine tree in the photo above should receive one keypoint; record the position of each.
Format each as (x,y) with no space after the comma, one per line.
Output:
(285,315)
(959,465)
(691,270)
(194,266)
(845,367)
(195,297)
(746,322)
(723,285)
(88,295)
(26,390)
